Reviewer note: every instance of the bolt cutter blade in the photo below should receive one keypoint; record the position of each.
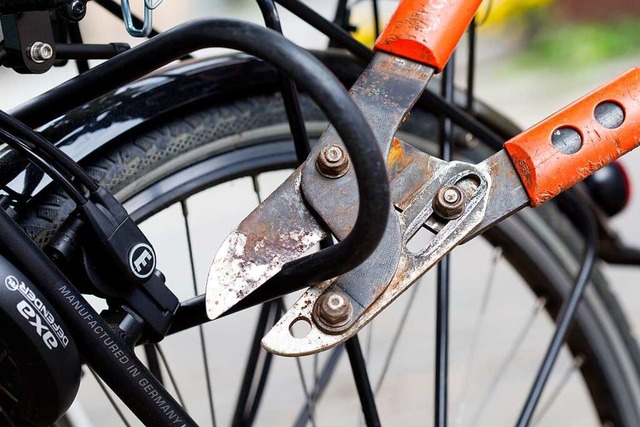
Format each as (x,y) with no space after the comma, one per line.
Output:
(280,230)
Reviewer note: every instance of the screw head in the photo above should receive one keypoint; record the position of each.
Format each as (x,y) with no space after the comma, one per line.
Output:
(332,162)
(332,311)
(77,9)
(449,201)
(40,52)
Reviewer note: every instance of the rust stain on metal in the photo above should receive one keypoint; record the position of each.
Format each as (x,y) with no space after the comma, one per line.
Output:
(402,156)
(396,161)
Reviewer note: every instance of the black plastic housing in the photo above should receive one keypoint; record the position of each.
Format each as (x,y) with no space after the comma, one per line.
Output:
(40,347)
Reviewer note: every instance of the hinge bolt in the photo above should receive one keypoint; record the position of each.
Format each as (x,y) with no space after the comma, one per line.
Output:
(449,202)
(332,162)
(333,311)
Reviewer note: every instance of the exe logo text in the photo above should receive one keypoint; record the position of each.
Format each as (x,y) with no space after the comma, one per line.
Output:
(36,312)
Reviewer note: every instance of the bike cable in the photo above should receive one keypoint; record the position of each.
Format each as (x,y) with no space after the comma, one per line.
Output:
(39,143)
(27,150)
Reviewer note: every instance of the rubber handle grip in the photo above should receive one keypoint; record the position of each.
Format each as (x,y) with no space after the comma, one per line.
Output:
(427,31)
(573,143)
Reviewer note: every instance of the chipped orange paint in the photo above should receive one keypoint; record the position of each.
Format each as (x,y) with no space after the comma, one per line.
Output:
(546,172)
(427,31)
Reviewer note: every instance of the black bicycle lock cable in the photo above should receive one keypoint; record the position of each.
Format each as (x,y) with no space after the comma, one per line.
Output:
(28,151)
(299,65)
(38,142)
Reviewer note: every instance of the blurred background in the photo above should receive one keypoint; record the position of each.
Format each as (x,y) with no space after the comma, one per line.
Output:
(534,57)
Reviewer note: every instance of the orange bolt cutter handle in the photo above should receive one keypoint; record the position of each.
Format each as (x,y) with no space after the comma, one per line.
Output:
(573,143)
(427,31)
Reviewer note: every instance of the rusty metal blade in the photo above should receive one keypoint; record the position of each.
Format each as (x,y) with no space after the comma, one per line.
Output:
(384,92)
(278,231)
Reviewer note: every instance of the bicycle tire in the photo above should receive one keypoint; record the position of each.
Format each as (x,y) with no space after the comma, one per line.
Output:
(541,245)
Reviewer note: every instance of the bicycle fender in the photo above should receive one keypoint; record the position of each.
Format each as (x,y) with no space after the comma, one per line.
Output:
(86,129)
(187,86)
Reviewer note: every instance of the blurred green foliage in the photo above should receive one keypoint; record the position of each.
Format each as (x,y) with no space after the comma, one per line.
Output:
(497,12)
(581,44)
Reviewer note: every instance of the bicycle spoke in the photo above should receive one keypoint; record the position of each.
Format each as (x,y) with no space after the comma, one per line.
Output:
(367,355)
(110,398)
(510,357)
(316,373)
(7,417)
(567,311)
(376,17)
(203,345)
(471,65)
(442,293)
(575,366)
(7,393)
(262,382)
(361,379)
(367,351)
(310,403)
(288,88)
(152,362)
(396,337)
(323,380)
(259,360)
(171,377)
(316,370)
(442,343)
(475,336)
(7,398)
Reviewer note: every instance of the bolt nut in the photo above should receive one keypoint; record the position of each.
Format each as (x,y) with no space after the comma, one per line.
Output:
(332,312)
(40,52)
(449,202)
(332,162)
(76,10)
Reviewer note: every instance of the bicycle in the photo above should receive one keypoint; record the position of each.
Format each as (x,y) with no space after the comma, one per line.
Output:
(124,156)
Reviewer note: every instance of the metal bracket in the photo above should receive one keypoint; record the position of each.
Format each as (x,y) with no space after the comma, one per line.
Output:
(28,41)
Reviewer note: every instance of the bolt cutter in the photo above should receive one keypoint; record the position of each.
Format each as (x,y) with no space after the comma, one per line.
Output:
(455,200)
